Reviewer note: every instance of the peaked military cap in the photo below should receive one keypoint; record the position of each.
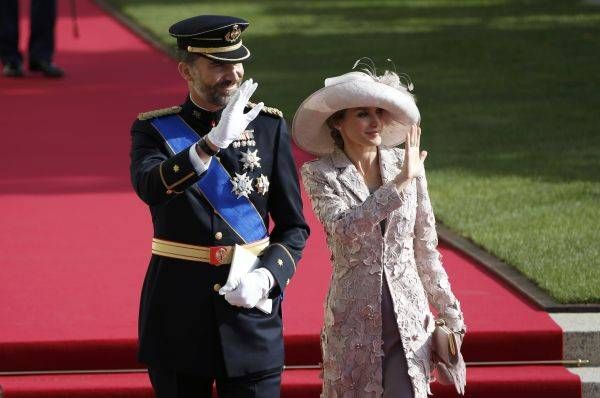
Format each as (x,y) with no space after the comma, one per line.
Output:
(217,37)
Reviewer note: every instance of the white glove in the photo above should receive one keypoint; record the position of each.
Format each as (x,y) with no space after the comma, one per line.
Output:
(252,287)
(233,119)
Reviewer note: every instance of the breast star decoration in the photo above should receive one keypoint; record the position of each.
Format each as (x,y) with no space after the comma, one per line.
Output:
(250,159)
(262,184)
(242,185)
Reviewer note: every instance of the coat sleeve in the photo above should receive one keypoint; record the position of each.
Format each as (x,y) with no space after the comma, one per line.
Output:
(156,176)
(340,220)
(429,265)
(288,237)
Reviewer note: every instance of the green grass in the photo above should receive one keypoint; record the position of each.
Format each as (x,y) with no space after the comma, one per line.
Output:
(509,92)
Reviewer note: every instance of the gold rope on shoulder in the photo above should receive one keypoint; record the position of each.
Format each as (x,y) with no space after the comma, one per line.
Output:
(267,109)
(159,112)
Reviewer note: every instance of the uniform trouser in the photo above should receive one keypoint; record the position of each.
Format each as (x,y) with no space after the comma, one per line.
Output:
(41,38)
(396,381)
(172,384)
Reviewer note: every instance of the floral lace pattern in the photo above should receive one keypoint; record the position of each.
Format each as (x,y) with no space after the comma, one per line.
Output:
(351,337)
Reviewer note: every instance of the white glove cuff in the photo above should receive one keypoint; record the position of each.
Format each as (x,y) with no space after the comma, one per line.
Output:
(268,279)
(212,136)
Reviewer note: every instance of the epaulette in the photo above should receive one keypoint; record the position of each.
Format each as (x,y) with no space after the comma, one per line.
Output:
(267,109)
(159,112)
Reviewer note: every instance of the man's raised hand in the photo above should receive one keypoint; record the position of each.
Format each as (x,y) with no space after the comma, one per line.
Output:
(233,119)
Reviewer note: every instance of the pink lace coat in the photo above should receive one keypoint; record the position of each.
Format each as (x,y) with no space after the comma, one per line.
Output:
(351,337)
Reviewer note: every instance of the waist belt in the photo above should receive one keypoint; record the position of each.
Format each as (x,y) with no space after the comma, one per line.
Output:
(214,255)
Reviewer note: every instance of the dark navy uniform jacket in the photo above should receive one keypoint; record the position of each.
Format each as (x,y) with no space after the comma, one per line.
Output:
(184,324)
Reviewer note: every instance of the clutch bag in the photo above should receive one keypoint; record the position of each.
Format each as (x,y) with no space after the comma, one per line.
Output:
(445,343)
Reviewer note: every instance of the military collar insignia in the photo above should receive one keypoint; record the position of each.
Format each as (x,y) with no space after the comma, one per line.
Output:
(197,114)
(233,34)
(200,114)
(242,185)
(250,159)
(262,184)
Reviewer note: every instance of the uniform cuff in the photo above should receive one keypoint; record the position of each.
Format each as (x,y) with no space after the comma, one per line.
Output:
(277,259)
(177,173)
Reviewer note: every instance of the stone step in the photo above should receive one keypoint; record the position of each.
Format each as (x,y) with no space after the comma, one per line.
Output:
(590,381)
(581,336)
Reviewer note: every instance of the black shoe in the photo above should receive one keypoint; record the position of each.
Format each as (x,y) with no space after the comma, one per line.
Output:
(12,69)
(47,68)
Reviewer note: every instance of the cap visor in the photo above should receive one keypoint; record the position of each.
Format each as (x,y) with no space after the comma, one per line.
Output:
(237,55)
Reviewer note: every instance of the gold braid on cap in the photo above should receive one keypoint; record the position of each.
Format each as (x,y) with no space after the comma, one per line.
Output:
(214,50)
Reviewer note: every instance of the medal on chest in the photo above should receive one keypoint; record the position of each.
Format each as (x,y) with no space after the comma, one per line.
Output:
(262,184)
(242,185)
(246,139)
(250,160)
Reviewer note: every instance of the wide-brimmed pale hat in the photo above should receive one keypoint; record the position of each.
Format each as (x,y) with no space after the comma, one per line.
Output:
(353,90)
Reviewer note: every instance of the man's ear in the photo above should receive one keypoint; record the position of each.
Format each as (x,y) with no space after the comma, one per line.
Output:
(184,71)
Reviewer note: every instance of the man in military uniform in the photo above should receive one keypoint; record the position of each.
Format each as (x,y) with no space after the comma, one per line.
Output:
(213,172)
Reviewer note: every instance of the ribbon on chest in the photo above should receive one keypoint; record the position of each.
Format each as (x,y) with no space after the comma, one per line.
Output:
(217,186)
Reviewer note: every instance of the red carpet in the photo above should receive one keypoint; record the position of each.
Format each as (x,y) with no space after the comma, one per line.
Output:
(497,382)
(75,241)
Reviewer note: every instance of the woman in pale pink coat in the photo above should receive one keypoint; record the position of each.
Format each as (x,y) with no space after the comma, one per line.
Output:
(372,199)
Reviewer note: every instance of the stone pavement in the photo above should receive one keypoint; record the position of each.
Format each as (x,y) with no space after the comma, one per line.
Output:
(581,340)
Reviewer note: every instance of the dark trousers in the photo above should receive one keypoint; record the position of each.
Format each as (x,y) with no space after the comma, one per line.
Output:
(41,38)
(396,380)
(172,384)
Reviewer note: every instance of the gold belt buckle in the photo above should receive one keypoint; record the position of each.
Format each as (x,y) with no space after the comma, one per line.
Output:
(219,255)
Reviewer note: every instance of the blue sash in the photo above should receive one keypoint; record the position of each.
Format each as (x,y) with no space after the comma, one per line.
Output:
(216,186)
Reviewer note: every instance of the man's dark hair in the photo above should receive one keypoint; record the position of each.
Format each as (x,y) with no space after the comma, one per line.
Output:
(186,56)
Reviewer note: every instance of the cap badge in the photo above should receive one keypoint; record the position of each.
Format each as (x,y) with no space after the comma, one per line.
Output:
(233,34)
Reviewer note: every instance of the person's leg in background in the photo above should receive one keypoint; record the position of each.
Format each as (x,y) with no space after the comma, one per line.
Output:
(41,39)
(9,38)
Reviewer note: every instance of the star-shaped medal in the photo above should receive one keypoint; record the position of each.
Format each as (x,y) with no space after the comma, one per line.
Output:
(242,185)
(262,184)
(250,159)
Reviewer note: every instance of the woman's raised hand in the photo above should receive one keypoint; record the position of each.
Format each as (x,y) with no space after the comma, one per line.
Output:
(413,159)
